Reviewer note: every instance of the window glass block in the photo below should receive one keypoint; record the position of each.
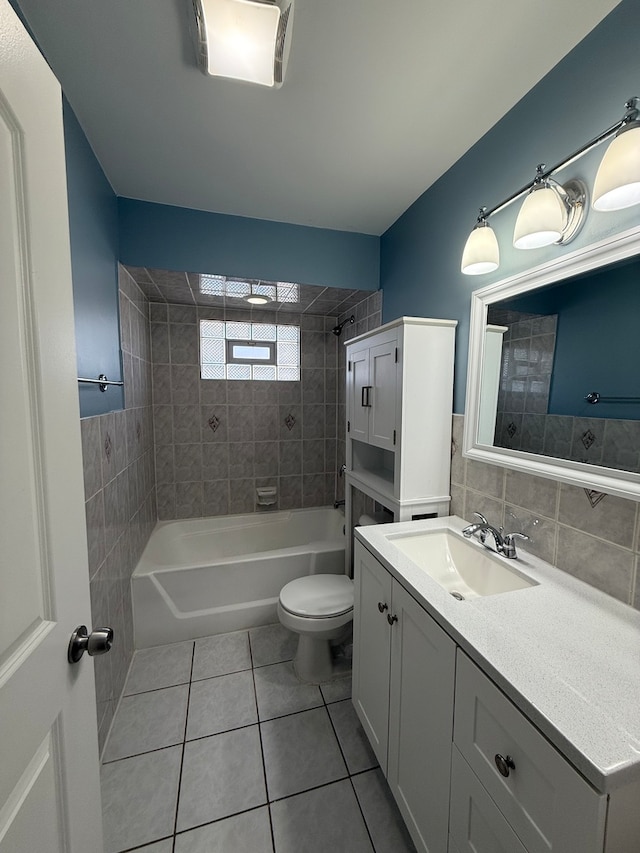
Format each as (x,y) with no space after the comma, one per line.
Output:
(264,371)
(288,292)
(212,371)
(289,374)
(288,354)
(212,351)
(212,328)
(238,371)
(238,331)
(263,332)
(238,288)
(288,333)
(213,285)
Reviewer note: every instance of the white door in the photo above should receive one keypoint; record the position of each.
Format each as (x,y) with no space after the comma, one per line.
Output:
(372,649)
(49,788)
(357,383)
(423,664)
(383,379)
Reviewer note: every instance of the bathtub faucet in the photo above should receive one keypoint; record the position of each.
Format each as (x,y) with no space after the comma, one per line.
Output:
(336,504)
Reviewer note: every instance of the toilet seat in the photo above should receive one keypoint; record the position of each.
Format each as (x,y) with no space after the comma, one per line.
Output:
(318,596)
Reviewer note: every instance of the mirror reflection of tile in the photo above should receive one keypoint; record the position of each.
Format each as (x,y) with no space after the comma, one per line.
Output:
(522,421)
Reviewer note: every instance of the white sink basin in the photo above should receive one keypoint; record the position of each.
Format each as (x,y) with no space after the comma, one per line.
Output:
(462,568)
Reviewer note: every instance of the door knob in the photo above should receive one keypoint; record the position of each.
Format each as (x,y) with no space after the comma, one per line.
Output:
(391,619)
(382,607)
(98,642)
(504,764)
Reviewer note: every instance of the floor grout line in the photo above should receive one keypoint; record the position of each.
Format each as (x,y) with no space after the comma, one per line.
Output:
(184,746)
(264,766)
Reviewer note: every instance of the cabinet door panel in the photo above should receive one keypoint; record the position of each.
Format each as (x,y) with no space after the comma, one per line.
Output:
(547,802)
(477,826)
(357,379)
(383,381)
(420,721)
(372,649)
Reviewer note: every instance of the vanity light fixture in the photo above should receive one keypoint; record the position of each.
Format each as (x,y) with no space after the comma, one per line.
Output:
(481,252)
(244,39)
(550,213)
(553,213)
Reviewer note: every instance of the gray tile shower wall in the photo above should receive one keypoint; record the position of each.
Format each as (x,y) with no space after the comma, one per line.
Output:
(216,441)
(119,481)
(592,536)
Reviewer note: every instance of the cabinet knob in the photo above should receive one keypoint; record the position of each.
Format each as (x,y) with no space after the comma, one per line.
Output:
(391,619)
(382,607)
(504,765)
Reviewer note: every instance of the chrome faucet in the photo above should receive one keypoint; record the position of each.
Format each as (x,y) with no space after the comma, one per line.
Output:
(505,544)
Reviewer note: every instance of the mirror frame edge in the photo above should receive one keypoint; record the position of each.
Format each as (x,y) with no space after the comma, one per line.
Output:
(611,481)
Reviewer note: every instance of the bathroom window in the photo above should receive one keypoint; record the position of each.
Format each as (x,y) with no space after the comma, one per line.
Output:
(260,351)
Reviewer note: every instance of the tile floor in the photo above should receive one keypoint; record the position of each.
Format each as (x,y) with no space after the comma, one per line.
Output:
(216,747)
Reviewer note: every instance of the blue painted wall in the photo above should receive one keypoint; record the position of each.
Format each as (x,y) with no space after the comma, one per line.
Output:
(93,226)
(597,340)
(176,238)
(420,254)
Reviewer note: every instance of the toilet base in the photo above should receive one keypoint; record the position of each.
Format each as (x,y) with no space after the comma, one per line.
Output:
(312,662)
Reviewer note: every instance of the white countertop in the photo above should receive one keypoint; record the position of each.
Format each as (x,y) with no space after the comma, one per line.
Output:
(567,654)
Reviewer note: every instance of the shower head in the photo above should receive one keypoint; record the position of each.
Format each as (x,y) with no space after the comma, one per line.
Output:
(337,330)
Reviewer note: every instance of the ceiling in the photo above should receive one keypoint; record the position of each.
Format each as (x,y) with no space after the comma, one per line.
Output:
(379,100)
(186,288)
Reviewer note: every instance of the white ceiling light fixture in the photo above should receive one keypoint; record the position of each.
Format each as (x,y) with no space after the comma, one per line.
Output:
(244,39)
(553,213)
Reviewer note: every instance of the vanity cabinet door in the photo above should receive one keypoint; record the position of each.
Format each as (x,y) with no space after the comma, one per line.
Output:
(546,801)
(372,649)
(420,721)
(477,826)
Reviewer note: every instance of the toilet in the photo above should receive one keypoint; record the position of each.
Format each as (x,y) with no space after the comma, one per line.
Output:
(319,608)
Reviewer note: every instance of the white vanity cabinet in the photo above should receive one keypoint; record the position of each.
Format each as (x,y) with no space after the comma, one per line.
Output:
(530,785)
(403,689)
(469,771)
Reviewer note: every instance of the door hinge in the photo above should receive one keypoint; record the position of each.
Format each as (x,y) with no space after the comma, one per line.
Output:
(348,426)
(394,436)
(396,355)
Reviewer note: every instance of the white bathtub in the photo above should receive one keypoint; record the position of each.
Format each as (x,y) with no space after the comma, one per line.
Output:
(212,575)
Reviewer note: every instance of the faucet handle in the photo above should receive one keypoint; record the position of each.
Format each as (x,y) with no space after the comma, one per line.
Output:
(509,544)
(481,517)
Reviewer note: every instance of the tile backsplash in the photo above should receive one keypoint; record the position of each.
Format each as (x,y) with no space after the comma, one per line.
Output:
(592,536)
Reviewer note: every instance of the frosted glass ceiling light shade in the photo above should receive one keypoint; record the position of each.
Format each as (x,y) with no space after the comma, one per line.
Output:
(550,213)
(617,183)
(244,39)
(481,253)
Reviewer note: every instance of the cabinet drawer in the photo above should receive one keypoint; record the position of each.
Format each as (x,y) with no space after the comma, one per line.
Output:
(546,801)
(476,824)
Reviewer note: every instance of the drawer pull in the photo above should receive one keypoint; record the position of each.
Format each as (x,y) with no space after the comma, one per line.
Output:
(382,607)
(504,765)
(391,619)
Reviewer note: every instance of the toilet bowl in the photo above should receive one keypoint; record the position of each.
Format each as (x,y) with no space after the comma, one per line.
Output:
(319,609)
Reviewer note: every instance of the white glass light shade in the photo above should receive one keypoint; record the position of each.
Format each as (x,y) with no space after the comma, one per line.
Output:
(481,253)
(617,183)
(541,221)
(241,39)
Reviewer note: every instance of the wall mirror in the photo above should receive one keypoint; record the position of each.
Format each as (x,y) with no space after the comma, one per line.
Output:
(553,382)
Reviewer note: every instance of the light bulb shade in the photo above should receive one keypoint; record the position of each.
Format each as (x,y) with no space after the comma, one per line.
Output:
(243,39)
(481,253)
(617,183)
(542,219)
